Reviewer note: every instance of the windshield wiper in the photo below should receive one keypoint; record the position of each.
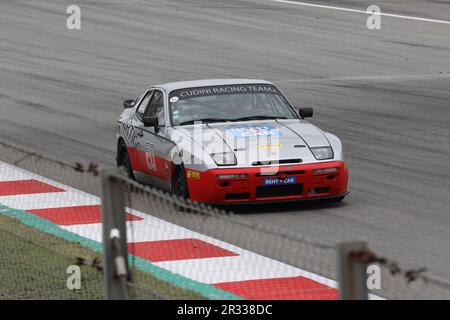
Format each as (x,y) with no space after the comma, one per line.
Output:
(205,120)
(260,117)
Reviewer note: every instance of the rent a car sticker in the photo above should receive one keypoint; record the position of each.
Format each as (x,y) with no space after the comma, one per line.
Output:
(224,89)
(280,181)
(252,131)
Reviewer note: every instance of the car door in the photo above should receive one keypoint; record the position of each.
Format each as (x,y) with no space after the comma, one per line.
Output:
(134,133)
(156,148)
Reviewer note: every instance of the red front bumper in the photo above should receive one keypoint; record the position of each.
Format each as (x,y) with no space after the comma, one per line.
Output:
(205,187)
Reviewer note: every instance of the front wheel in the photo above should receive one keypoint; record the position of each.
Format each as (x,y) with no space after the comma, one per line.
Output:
(179,183)
(124,161)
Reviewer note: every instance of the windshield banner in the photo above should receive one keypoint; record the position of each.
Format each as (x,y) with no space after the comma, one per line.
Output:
(220,90)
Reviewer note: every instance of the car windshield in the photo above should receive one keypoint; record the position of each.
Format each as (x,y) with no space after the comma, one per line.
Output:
(228,103)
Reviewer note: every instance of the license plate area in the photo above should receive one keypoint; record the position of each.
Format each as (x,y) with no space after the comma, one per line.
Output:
(284,190)
(279,181)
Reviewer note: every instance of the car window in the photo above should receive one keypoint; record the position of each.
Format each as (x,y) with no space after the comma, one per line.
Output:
(144,103)
(156,108)
(229,103)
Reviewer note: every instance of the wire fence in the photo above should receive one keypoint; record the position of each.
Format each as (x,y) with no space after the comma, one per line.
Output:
(39,266)
(50,223)
(227,251)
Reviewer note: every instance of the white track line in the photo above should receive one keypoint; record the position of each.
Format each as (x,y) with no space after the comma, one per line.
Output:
(246,266)
(379,78)
(306,4)
(70,198)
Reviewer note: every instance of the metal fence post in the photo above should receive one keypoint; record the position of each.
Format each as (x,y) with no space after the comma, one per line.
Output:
(114,236)
(352,273)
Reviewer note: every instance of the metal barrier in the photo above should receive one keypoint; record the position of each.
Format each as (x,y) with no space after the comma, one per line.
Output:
(116,271)
(352,272)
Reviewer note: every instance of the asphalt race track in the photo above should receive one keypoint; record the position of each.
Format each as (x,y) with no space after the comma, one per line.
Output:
(385,92)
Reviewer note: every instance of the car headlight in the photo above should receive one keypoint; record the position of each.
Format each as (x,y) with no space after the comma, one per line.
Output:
(325,170)
(322,153)
(224,158)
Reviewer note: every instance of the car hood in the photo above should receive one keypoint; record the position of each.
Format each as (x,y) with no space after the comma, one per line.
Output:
(284,140)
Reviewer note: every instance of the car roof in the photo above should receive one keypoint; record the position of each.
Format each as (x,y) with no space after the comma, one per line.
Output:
(207,82)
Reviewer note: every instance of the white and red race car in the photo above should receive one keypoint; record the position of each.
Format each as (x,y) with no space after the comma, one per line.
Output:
(228,141)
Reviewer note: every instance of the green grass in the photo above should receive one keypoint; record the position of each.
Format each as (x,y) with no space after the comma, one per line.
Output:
(33,266)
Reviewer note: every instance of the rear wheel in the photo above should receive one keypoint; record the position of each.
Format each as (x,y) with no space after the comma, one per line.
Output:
(179,183)
(124,160)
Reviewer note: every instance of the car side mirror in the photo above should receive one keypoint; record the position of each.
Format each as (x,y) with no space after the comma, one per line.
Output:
(151,122)
(128,104)
(306,112)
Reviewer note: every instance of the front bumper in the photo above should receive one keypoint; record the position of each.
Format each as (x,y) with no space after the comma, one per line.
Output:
(205,187)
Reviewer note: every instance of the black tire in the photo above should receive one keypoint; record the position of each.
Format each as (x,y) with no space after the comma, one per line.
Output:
(124,160)
(179,183)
